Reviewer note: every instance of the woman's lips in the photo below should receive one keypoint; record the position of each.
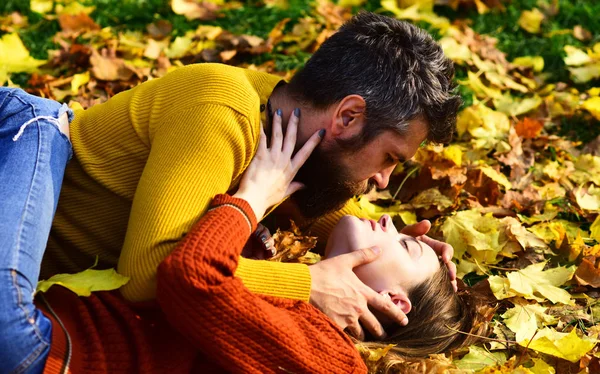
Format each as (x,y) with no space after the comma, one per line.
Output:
(371,223)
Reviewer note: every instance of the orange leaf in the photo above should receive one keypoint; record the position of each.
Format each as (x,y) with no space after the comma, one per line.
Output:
(75,24)
(588,272)
(529,128)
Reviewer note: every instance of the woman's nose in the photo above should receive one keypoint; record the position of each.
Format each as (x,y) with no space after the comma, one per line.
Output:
(385,221)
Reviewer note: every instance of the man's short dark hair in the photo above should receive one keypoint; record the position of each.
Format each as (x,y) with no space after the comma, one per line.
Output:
(398,69)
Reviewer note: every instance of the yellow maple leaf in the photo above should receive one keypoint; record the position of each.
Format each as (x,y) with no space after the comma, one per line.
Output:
(541,367)
(592,105)
(454,50)
(478,358)
(567,346)
(481,90)
(15,58)
(41,6)
(514,107)
(482,122)
(587,169)
(534,283)
(531,20)
(595,229)
(534,62)
(78,81)
(85,282)
(575,56)
(588,199)
(555,230)
(524,319)
(496,176)
(453,153)
(477,239)
(415,13)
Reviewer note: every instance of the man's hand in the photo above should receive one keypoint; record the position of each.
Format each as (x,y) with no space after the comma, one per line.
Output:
(338,293)
(444,250)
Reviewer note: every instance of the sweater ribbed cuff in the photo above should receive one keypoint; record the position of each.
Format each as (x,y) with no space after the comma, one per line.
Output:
(241,205)
(287,280)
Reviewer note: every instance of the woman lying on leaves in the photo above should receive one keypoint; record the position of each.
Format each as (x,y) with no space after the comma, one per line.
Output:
(226,327)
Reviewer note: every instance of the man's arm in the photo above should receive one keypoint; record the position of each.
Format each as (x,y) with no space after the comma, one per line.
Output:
(188,165)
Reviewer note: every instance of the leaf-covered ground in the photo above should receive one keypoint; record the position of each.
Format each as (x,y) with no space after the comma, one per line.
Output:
(517,193)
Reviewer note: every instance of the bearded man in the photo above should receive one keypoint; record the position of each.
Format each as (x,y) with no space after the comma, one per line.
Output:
(148,161)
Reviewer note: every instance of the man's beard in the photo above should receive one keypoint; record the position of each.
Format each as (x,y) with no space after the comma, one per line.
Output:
(328,184)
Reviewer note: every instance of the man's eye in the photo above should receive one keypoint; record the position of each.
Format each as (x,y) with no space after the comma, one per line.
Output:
(391,160)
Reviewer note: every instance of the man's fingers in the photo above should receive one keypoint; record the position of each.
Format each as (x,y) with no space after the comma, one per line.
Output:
(372,324)
(387,307)
(418,229)
(451,270)
(363,256)
(289,142)
(442,249)
(355,330)
(304,152)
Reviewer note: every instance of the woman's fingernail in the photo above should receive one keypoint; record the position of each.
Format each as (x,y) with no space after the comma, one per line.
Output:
(404,322)
(263,238)
(297,112)
(376,250)
(322,133)
(279,112)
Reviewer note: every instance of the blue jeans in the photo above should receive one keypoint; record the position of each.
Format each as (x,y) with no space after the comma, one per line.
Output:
(33,157)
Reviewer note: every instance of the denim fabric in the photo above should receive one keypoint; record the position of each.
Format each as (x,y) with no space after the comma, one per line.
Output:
(33,156)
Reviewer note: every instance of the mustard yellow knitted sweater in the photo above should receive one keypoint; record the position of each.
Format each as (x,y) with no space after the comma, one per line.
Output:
(148,163)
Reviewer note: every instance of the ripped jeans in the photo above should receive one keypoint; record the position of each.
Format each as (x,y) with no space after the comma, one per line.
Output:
(33,157)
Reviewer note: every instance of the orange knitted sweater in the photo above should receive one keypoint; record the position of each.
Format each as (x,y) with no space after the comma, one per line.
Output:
(226,327)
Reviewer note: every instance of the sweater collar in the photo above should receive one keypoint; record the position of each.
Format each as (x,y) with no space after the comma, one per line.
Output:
(264,84)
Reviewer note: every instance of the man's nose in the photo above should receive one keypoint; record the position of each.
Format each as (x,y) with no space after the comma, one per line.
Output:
(382,177)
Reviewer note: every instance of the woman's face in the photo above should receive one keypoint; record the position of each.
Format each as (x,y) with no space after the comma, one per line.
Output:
(404,262)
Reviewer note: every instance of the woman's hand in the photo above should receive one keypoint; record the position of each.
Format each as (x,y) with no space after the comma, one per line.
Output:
(268,178)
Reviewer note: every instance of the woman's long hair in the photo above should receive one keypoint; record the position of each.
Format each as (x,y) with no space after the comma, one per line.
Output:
(440,320)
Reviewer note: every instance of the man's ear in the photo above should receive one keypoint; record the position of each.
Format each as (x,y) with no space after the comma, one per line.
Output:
(349,116)
(400,298)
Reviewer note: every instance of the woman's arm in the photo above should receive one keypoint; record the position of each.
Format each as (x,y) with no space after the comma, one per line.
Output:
(241,331)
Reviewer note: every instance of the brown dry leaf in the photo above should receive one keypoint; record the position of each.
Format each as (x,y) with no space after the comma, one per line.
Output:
(107,67)
(581,33)
(529,128)
(276,34)
(73,25)
(291,244)
(201,10)
(13,22)
(159,29)
(588,272)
